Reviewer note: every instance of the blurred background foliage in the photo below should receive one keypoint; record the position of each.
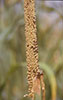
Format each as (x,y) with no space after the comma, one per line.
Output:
(13,81)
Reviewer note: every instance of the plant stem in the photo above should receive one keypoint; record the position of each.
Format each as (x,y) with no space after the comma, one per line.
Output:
(42,87)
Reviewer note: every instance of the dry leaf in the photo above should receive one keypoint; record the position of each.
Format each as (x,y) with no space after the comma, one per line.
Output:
(36,85)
